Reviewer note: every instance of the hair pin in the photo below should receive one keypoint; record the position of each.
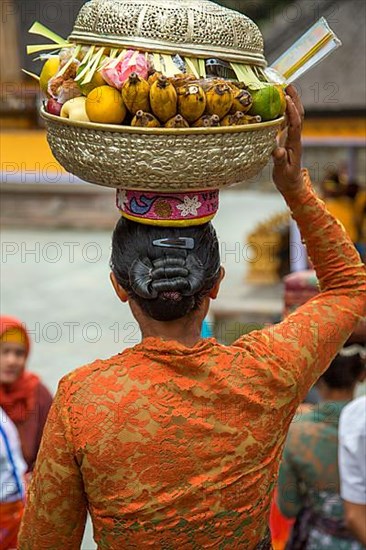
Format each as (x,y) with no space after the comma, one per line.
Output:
(179,242)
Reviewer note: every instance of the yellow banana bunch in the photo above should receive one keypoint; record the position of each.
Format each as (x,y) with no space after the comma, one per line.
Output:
(242,102)
(145,120)
(163,99)
(219,99)
(207,83)
(153,77)
(182,79)
(177,122)
(233,120)
(239,118)
(248,119)
(207,121)
(191,102)
(136,93)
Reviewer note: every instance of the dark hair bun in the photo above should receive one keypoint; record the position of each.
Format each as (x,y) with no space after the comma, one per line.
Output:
(167,283)
(168,274)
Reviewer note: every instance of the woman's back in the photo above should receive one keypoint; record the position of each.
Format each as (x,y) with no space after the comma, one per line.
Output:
(147,423)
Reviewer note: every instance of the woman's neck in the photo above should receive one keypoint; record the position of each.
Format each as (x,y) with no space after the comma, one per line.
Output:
(186,331)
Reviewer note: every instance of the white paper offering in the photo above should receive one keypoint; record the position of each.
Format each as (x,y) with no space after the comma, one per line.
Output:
(316,44)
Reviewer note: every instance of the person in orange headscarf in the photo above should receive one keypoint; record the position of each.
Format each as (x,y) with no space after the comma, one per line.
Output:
(23,397)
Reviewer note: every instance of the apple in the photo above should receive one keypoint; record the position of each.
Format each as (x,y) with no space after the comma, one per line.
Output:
(74,109)
(53,107)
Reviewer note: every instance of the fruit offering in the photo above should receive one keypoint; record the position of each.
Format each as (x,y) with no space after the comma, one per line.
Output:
(145,89)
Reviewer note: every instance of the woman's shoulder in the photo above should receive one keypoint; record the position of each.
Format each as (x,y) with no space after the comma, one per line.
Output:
(99,372)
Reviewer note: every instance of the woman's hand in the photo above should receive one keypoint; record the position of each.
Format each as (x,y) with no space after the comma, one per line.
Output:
(287,158)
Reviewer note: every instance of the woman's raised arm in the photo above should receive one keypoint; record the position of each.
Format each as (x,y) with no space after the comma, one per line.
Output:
(302,346)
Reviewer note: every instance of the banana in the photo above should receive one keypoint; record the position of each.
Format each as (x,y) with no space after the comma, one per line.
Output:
(233,86)
(233,120)
(242,102)
(208,121)
(251,119)
(182,79)
(145,120)
(163,99)
(177,122)
(191,102)
(219,99)
(153,77)
(136,93)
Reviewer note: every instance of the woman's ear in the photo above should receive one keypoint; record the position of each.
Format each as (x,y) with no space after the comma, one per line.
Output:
(215,290)
(121,293)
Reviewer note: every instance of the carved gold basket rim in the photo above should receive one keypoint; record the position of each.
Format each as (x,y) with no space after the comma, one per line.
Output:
(119,128)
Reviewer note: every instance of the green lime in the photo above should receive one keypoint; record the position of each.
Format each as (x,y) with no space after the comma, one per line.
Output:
(267,103)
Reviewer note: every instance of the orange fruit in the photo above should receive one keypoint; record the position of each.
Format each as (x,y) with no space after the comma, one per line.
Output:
(104,104)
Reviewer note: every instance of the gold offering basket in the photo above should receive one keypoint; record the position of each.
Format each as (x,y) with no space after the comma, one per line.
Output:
(160,159)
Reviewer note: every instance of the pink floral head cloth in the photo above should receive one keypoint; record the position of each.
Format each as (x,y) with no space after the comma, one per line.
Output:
(168,209)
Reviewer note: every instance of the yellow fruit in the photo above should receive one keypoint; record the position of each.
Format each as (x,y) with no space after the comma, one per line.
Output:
(163,99)
(267,102)
(145,120)
(251,119)
(219,100)
(242,102)
(136,93)
(191,102)
(207,83)
(49,70)
(95,82)
(182,79)
(177,122)
(153,77)
(75,109)
(105,105)
(233,120)
(208,121)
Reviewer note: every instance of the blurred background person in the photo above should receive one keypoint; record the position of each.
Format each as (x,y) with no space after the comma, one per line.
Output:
(308,486)
(352,465)
(22,395)
(340,195)
(12,470)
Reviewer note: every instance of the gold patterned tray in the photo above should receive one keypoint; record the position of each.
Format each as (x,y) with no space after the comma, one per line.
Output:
(160,159)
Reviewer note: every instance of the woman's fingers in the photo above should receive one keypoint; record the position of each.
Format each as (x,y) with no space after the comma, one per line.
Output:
(279,156)
(292,92)
(294,127)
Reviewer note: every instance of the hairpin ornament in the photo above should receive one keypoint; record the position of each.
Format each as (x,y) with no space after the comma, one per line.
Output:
(186,243)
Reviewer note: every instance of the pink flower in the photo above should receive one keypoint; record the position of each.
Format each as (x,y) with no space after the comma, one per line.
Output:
(115,73)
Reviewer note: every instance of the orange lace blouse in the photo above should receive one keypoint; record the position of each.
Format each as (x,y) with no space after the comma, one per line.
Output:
(171,447)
